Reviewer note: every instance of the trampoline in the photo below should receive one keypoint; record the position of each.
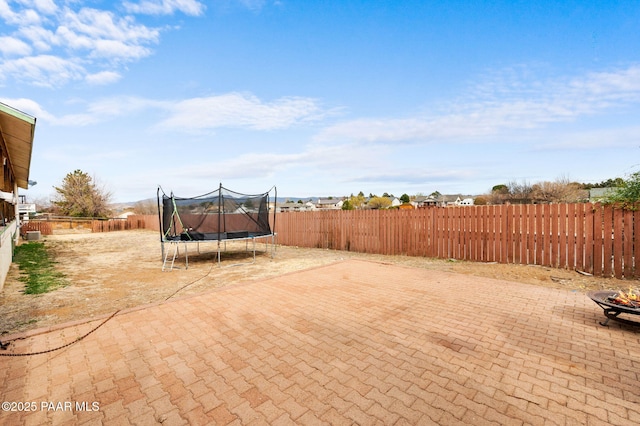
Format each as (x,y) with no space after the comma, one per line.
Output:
(219,216)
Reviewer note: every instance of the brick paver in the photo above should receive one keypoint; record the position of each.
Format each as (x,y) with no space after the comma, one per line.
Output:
(350,343)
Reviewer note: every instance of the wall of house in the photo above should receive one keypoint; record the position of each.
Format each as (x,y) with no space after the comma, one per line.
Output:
(7,184)
(7,241)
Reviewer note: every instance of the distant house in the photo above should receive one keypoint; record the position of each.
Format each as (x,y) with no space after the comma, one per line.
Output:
(422,201)
(291,206)
(455,200)
(418,201)
(25,210)
(16,143)
(443,200)
(329,204)
(395,202)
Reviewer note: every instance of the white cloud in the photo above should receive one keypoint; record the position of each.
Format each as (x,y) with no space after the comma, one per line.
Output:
(41,38)
(29,106)
(165,7)
(615,85)
(253,5)
(123,105)
(11,46)
(234,110)
(25,16)
(622,137)
(262,165)
(95,112)
(106,35)
(241,110)
(103,25)
(409,176)
(43,70)
(47,7)
(88,40)
(119,51)
(499,106)
(107,109)
(316,159)
(102,78)
(85,154)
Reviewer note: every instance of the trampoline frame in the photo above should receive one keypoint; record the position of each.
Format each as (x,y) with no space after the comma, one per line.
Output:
(176,249)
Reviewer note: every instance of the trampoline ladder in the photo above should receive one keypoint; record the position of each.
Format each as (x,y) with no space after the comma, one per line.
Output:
(173,259)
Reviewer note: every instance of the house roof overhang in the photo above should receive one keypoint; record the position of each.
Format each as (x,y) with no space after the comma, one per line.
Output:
(17,130)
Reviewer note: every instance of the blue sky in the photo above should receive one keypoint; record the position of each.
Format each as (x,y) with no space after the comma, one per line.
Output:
(325,97)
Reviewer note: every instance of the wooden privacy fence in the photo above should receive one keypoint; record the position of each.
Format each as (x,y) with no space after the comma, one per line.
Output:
(49,225)
(131,222)
(598,239)
(45,228)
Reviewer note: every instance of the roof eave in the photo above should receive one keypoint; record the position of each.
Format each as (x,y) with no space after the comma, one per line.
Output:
(19,141)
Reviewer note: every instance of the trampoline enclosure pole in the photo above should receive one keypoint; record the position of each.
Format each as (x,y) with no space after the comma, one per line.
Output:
(161,224)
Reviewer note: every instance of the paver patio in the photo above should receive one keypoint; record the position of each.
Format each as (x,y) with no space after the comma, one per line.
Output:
(354,342)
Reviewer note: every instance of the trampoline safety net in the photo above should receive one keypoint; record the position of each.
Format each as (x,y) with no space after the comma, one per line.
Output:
(219,215)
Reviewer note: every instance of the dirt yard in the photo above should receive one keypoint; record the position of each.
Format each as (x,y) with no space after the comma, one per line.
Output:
(113,271)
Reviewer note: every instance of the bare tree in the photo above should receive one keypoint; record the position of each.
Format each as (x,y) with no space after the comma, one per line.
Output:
(146,207)
(80,196)
(481,200)
(562,190)
(43,204)
(520,192)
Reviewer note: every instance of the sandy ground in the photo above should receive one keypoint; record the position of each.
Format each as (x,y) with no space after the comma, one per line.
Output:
(113,271)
